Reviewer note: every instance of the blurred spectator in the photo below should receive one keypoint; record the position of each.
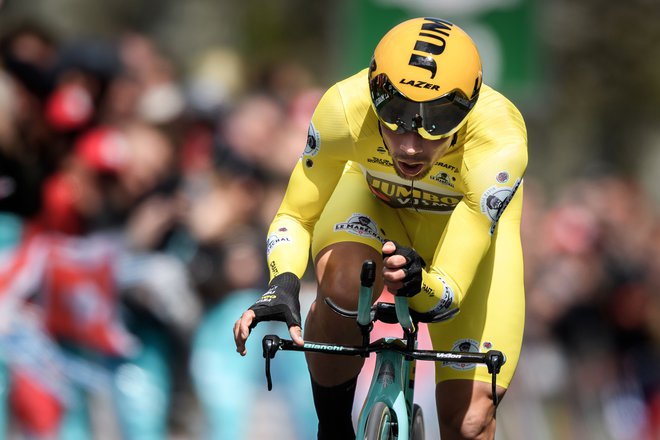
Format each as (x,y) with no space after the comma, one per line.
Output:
(93,251)
(215,82)
(249,128)
(28,56)
(161,97)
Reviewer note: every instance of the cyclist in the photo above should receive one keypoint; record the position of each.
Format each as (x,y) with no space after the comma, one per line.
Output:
(414,163)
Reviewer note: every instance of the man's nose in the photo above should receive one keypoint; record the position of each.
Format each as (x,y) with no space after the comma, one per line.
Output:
(410,145)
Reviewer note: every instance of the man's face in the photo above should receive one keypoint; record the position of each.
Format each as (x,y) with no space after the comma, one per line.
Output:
(413,156)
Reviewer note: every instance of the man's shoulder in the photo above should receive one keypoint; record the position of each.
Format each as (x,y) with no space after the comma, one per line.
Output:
(354,92)
(489,98)
(355,100)
(495,126)
(495,115)
(356,81)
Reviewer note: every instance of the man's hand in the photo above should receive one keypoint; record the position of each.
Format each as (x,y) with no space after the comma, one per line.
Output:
(402,269)
(279,303)
(243,326)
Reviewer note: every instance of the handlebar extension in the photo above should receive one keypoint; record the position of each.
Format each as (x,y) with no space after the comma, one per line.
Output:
(368,273)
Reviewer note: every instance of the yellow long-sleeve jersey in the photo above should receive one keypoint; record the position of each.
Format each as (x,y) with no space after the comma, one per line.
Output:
(464,195)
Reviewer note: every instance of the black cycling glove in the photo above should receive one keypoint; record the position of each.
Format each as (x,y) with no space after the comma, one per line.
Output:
(412,283)
(280,302)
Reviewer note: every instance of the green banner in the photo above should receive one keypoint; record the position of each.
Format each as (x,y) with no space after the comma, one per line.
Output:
(504,31)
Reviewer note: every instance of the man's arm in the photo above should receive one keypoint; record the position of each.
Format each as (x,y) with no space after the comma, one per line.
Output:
(328,148)
(492,177)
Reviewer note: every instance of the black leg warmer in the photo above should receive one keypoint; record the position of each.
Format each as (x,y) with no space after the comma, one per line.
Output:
(333,407)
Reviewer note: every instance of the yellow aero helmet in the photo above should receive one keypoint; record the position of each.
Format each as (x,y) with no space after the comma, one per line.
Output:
(425,76)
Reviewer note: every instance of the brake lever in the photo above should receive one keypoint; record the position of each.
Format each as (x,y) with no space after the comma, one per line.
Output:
(270,344)
(494,361)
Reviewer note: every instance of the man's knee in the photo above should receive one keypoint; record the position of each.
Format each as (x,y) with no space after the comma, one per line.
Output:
(338,271)
(475,423)
(466,410)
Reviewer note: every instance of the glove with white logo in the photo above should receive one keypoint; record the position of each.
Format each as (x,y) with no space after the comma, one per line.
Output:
(412,283)
(280,302)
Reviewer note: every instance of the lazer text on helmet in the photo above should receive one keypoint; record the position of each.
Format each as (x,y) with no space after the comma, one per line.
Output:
(419,84)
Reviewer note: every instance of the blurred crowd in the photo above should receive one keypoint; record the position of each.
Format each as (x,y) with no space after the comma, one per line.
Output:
(134,201)
(591,356)
(135,195)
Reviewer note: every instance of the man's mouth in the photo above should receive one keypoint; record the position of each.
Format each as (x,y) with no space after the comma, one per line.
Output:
(410,169)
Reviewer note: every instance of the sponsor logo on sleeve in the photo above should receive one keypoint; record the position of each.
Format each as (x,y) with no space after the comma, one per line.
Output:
(274,240)
(313,142)
(267,297)
(502,177)
(495,199)
(463,345)
(447,296)
(444,302)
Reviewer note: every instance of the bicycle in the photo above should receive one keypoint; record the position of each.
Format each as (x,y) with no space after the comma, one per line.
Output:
(389,411)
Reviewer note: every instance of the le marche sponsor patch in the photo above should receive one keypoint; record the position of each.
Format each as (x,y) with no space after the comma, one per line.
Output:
(361,225)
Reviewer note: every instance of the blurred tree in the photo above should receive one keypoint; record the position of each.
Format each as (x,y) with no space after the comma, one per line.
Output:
(264,32)
(603,92)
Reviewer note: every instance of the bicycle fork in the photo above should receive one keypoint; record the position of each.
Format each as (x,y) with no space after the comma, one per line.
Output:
(391,383)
